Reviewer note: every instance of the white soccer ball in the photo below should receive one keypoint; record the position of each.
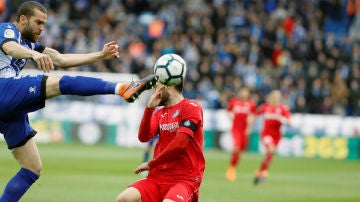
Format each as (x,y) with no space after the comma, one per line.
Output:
(171,69)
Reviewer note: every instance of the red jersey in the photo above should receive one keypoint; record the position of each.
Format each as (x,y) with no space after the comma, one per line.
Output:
(185,117)
(273,116)
(241,110)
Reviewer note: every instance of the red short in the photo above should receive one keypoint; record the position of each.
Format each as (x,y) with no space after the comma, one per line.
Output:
(240,140)
(272,139)
(154,191)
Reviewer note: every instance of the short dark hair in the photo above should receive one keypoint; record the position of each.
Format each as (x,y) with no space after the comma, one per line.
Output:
(27,8)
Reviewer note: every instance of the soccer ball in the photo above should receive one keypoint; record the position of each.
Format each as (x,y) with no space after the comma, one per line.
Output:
(171,69)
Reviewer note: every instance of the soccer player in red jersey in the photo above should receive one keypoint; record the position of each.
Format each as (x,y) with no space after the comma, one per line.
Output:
(275,114)
(241,110)
(177,168)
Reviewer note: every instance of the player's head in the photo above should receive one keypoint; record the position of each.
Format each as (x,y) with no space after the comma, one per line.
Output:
(274,97)
(244,93)
(31,17)
(169,93)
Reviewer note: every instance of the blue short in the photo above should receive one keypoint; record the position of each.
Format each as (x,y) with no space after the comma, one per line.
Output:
(18,97)
(153,140)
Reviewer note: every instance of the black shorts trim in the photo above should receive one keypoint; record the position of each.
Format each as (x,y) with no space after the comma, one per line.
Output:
(43,90)
(31,135)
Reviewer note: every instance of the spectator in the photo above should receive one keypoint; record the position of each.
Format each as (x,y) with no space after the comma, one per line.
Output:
(228,39)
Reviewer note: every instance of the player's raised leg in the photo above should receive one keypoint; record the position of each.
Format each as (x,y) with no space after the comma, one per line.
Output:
(29,160)
(85,86)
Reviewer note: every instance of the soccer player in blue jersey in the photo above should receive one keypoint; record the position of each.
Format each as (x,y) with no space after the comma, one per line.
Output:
(21,95)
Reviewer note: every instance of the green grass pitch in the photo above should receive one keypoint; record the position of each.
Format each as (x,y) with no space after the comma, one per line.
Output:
(73,172)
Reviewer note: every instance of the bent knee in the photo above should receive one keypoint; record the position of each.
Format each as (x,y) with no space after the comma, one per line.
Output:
(130,194)
(37,170)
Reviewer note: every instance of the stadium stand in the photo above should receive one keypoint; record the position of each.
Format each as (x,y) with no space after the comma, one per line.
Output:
(308,49)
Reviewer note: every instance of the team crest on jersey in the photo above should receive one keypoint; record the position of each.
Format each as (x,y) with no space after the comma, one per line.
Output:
(9,33)
(175,114)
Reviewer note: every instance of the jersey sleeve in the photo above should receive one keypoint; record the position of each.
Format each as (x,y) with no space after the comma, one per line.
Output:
(192,118)
(149,122)
(286,112)
(39,48)
(253,108)
(7,33)
(230,105)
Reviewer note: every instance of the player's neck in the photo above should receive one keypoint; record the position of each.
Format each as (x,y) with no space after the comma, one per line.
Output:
(174,99)
(17,25)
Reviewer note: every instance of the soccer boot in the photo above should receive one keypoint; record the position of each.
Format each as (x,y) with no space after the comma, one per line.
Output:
(231,174)
(260,177)
(131,91)
(258,180)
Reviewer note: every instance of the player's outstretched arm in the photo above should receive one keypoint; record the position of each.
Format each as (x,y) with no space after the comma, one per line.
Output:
(109,51)
(16,50)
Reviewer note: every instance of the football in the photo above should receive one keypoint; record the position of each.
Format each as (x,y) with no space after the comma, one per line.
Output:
(171,69)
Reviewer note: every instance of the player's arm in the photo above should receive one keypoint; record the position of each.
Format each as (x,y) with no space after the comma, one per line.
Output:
(149,122)
(18,51)
(230,115)
(229,110)
(249,123)
(286,116)
(250,119)
(148,126)
(109,51)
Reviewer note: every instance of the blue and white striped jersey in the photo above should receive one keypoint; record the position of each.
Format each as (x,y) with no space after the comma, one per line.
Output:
(10,66)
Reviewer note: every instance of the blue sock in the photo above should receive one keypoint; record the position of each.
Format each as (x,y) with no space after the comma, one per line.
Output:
(85,86)
(146,156)
(18,185)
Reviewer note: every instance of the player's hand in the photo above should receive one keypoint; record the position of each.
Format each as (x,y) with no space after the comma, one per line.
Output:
(111,50)
(43,61)
(155,97)
(142,167)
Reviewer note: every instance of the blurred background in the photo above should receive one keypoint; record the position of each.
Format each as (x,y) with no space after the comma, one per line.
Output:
(308,49)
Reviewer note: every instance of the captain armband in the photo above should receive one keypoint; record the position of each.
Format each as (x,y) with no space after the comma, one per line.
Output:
(188,124)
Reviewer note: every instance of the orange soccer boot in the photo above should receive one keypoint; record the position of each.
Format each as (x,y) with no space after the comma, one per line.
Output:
(231,174)
(131,91)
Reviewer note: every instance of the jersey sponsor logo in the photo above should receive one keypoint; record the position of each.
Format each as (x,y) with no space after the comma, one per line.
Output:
(175,114)
(169,126)
(241,109)
(272,116)
(9,33)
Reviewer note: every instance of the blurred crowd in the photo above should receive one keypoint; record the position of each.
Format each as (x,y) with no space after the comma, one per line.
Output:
(309,49)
